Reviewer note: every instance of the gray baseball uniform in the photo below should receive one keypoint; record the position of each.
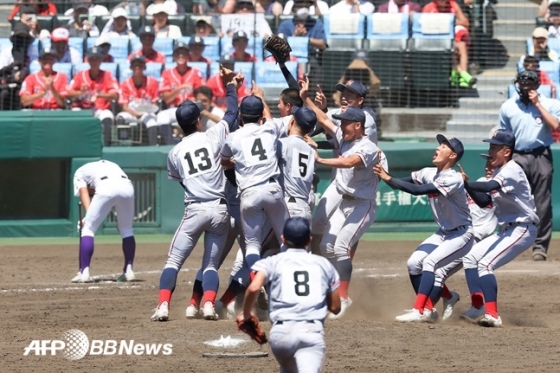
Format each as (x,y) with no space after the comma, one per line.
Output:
(298,285)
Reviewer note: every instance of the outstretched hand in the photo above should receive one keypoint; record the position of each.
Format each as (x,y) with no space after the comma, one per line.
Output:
(380,171)
(463,173)
(304,88)
(257,91)
(226,74)
(320,98)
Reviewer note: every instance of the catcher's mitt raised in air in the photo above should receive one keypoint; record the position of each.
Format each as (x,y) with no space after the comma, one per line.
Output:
(253,329)
(279,48)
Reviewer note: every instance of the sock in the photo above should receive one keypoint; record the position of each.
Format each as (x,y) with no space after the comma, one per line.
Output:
(343,289)
(129,249)
(165,296)
(473,281)
(196,294)
(491,309)
(210,283)
(86,251)
(477,300)
(426,285)
(490,291)
(167,283)
(445,293)
(344,268)
(435,296)
(231,292)
(420,302)
(415,281)
(210,296)
(429,304)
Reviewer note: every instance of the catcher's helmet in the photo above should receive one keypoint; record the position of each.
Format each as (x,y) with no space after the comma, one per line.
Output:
(527,77)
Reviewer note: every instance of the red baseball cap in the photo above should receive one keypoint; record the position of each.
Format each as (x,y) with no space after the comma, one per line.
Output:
(60,34)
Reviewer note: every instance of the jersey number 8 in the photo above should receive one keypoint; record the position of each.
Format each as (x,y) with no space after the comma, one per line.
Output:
(301,279)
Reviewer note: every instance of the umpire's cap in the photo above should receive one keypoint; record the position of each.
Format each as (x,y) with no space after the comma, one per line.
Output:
(297,231)
(251,105)
(305,118)
(187,114)
(455,144)
(353,114)
(527,77)
(502,137)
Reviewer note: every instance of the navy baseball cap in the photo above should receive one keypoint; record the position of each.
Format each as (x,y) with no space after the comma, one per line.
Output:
(354,86)
(187,113)
(138,59)
(196,40)
(455,144)
(181,45)
(227,60)
(297,231)
(251,105)
(239,35)
(146,30)
(502,137)
(352,113)
(305,118)
(95,52)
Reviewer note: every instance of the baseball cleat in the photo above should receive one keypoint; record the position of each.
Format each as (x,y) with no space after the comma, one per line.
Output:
(82,277)
(192,312)
(473,314)
(448,305)
(127,277)
(209,312)
(344,304)
(416,316)
(431,314)
(162,312)
(490,321)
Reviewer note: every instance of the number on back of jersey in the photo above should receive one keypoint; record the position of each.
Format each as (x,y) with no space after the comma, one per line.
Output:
(197,162)
(301,285)
(257,150)
(300,165)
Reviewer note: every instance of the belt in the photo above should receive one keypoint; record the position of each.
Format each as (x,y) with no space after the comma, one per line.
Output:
(106,177)
(348,197)
(507,225)
(222,202)
(271,180)
(538,150)
(280,322)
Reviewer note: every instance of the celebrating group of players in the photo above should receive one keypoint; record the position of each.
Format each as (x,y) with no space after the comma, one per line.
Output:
(250,178)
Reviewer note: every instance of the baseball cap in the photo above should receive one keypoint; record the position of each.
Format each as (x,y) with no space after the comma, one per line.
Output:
(455,144)
(103,39)
(181,45)
(187,113)
(26,9)
(48,51)
(353,85)
(502,137)
(353,114)
(20,29)
(196,40)
(240,35)
(485,156)
(297,231)
(80,5)
(159,8)
(360,54)
(528,76)
(207,20)
(305,118)
(60,34)
(302,14)
(119,12)
(251,105)
(137,59)
(95,52)
(147,30)
(540,32)
(227,60)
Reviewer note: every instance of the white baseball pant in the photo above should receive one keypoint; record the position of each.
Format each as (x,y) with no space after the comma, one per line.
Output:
(147,119)
(298,346)
(167,116)
(325,209)
(299,207)
(114,192)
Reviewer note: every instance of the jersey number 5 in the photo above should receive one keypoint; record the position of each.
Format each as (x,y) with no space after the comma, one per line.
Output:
(204,157)
(301,279)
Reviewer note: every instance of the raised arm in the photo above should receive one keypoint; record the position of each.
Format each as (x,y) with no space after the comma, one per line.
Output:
(322,118)
(232,82)
(405,185)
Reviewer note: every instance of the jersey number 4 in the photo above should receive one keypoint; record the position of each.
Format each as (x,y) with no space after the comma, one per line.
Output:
(201,154)
(258,150)
(301,278)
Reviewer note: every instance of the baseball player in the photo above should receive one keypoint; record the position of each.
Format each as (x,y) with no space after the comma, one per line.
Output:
(448,200)
(355,182)
(177,85)
(194,163)
(138,97)
(517,221)
(95,89)
(302,288)
(252,150)
(110,187)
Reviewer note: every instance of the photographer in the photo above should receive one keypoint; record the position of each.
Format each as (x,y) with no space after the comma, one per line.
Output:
(14,66)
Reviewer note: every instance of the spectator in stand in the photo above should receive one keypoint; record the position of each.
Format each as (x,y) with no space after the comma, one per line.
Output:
(161,23)
(21,53)
(170,6)
(540,46)
(104,44)
(28,15)
(95,89)
(64,53)
(262,27)
(196,49)
(147,38)
(14,66)
(203,27)
(304,25)
(270,7)
(43,8)
(316,7)
(139,95)
(353,6)
(81,28)
(531,63)
(118,25)
(554,28)
(216,84)
(399,6)
(46,89)
(460,76)
(93,9)
(240,42)
(211,114)
(177,85)
(360,71)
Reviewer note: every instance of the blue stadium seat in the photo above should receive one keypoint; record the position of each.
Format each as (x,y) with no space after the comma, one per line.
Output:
(120,49)
(107,66)
(247,69)
(551,68)
(5,41)
(153,69)
(544,90)
(388,26)
(300,47)
(433,26)
(162,45)
(200,66)
(214,68)
(345,30)
(65,68)
(269,75)
(78,44)
(211,46)
(90,42)
(255,46)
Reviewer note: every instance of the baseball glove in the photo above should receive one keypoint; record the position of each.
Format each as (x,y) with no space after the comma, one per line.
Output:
(253,329)
(279,48)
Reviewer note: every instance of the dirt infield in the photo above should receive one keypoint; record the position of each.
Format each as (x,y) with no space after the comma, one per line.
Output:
(40,303)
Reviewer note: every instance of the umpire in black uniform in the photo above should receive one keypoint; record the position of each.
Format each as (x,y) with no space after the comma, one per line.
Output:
(531,117)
